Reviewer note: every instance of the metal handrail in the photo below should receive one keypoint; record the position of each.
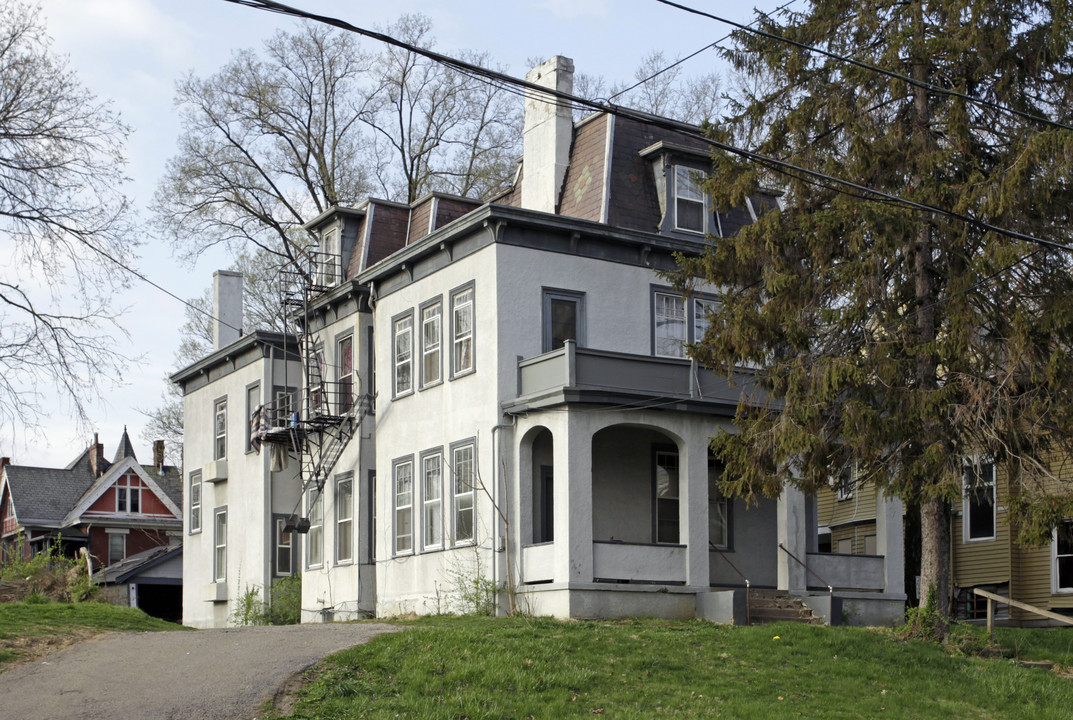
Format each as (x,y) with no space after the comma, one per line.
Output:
(748,585)
(809,570)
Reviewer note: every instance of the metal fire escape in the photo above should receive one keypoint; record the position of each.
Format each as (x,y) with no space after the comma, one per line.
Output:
(318,421)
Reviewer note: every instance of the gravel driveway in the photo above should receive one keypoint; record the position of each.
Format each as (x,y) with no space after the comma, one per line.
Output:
(209,674)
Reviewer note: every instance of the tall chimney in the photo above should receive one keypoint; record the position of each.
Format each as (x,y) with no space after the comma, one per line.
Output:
(158,455)
(547,135)
(226,308)
(96,457)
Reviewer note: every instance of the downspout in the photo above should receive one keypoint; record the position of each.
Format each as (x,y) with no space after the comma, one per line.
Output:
(502,516)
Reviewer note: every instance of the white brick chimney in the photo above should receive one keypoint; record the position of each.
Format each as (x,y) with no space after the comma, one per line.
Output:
(547,135)
(226,308)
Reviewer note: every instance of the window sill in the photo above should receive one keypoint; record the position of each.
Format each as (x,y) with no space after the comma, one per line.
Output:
(973,541)
(401,395)
(435,383)
(463,374)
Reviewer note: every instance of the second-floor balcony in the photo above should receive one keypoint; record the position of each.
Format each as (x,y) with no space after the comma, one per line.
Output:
(583,375)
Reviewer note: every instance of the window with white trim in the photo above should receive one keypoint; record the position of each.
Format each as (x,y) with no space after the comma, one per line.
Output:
(702,311)
(403,355)
(128,493)
(432,499)
(219,541)
(344,368)
(564,318)
(669,318)
(1062,558)
(665,481)
(315,536)
(689,202)
(431,338)
(463,470)
(843,483)
(284,544)
(344,519)
(220,426)
(462,332)
(978,505)
(195,502)
(117,547)
(329,263)
(404,506)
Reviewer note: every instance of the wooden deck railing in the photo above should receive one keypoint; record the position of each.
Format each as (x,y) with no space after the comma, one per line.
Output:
(992,598)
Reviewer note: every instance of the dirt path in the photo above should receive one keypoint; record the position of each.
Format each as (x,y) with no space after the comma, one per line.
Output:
(209,674)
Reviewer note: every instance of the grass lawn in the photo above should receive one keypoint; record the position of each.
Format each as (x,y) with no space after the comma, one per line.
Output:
(541,668)
(31,628)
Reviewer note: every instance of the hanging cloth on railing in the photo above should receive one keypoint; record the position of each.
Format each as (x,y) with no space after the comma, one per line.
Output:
(258,428)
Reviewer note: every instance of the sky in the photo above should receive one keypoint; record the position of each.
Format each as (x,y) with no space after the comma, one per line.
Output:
(132,52)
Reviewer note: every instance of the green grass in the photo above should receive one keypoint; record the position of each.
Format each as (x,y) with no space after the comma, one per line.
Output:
(540,668)
(29,626)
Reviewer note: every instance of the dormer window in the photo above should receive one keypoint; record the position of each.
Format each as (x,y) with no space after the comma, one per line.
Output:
(688,200)
(329,260)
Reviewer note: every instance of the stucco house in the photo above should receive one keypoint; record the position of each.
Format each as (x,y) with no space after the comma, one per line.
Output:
(112,509)
(497,395)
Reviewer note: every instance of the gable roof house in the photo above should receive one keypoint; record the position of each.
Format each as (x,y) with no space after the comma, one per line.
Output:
(113,509)
(497,395)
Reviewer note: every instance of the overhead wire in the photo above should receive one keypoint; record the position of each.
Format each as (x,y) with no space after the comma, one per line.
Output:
(868,66)
(639,116)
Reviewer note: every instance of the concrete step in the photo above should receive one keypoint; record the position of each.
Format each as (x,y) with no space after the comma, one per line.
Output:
(767,606)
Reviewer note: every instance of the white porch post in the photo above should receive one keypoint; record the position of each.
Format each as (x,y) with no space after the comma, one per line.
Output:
(573,502)
(889,541)
(791,535)
(693,509)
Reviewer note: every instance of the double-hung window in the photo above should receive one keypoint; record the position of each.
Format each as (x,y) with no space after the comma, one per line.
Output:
(220,425)
(666,490)
(344,519)
(404,506)
(432,497)
(219,540)
(462,331)
(463,471)
(688,200)
(718,509)
(702,311)
(195,502)
(117,546)
(403,355)
(329,264)
(669,316)
(1062,564)
(431,323)
(978,507)
(284,543)
(843,483)
(344,365)
(315,536)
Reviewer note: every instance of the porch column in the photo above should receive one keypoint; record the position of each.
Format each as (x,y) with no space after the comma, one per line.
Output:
(693,509)
(889,541)
(791,535)
(572,453)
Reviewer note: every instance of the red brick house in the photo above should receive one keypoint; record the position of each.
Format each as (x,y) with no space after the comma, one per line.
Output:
(114,509)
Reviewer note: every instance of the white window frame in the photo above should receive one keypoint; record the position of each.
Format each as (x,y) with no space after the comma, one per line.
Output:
(463,330)
(977,462)
(666,344)
(329,267)
(688,190)
(128,497)
(701,308)
(1057,589)
(345,379)
(844,483)
(402,354)
(121,551)
(403,500)
(315,536)
(195,502)
(283,542)
(432,500)
(463,471)
(219,543)
(344,519)
(431,343)
(219,437)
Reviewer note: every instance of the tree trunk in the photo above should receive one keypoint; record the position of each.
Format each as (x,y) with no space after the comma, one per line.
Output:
(935,558)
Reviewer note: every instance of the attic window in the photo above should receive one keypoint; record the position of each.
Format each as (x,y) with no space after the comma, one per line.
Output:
(329,261)
(688,200)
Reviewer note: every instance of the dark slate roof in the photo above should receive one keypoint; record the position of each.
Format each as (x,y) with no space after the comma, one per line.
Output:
(170,481)
(133,564)
(44,496)
(125,448)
